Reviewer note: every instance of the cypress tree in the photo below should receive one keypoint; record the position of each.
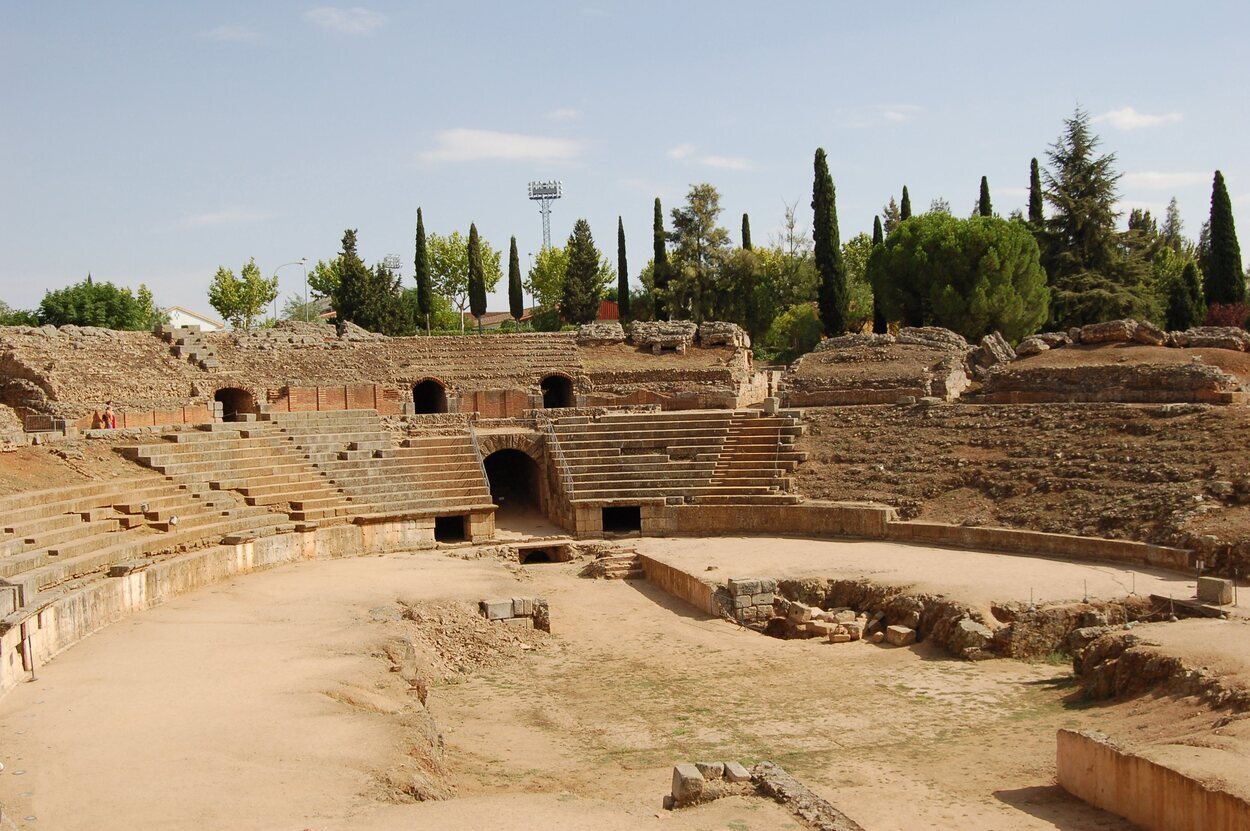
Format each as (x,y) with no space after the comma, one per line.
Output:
(983,204)
(659,263)
(582,283)
(746,233)
(904,207)
(1035,195)
(828,249)
(477,280)
(878,317)
(516,295)
(622,272)
(421,273)
(1225,281)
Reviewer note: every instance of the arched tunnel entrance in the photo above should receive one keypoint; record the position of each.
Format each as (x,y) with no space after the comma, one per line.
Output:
(429,396)
(516,487)
(235,403)
(557,392)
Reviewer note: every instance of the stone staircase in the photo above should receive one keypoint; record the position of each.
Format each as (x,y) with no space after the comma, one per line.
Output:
(626,565)
(189,342)
(428,475)
(691,456)
(246,458)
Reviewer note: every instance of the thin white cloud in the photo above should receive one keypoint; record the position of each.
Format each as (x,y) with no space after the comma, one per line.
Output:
(563,114)
(1016,192)
(1157,209)
(1127,118)
(877,114)
(1159,180)
(230,34)
(354,20)
(226,216)
(681,151)
(651,187)
(466,145)
(725,162)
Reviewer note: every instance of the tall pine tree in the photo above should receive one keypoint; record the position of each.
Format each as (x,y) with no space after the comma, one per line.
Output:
(622,272)
(1035,196)
(984,208)
(904,207)
(582,281)
(879,324)
(659,263)
(1185,305)
(746,233)
(828,249)
(477,280)
(877,236)
(516,294)
(421,273)
(1224,280)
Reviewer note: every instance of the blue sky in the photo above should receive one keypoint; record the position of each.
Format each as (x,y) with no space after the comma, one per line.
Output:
(153,141)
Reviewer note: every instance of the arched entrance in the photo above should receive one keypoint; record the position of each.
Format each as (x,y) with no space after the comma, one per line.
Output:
(429,396)
(557,392)
(235,403)
(515,482)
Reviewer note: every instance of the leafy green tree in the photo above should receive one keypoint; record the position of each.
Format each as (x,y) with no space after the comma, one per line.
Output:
(904,206)
(10,316)
(323,278)
(1094,276)
(877,236)
(449,268)
(296,308)
(424,298)
(1185,304)
(984,208)
(477,277)
(546,277)
(746,232)
(795,332)
(828,248)
(622,271)
(939,205)
(699,249)
(516,295)
(737,289)
(99,304)
(241,300)
(1225,280)
(859,299)
(974,276)
(1036,217)
(583,283)
(660,267)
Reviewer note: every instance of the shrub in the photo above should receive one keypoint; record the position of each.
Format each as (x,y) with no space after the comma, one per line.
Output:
(1228,314)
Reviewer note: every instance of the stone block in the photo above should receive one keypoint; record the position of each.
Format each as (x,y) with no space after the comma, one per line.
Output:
(736,772)
(542,615)
(520,622)
(900,635)
(741,585)
(1215,590)
(711,770)
(840,637)
(522,607)
(688,784)
(820,628)
(762,599)
(799,613)
(496,609)
(844,616)
(854,629)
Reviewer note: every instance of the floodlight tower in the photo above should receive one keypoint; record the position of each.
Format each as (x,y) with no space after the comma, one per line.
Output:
(544,193)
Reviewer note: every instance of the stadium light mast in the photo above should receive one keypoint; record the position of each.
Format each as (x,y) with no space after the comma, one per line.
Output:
(544,193)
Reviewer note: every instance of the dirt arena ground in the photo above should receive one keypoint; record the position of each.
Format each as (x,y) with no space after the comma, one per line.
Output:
(269,702)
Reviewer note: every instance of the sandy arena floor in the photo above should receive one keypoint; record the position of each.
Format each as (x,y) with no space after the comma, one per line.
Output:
(226,709)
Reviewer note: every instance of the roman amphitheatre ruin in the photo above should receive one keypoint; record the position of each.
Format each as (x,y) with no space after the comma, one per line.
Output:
(623,580)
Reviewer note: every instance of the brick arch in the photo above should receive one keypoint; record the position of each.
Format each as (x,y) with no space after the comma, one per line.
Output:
(529,445)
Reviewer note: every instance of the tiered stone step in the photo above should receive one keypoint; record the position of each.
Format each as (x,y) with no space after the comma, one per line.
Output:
(427,475)
(188,342)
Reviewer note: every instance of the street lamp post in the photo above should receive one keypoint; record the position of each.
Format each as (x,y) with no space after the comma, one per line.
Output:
(300,261)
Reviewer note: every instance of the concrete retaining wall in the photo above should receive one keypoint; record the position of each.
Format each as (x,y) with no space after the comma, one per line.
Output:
(1155,797)
(1037,543)
(679,584)
(75,615)
(809,519)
